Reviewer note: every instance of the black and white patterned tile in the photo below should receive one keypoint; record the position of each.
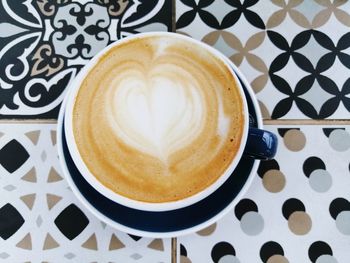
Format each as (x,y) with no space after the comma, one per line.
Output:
(41,219)
(296,210)
(294,53)
(44,43)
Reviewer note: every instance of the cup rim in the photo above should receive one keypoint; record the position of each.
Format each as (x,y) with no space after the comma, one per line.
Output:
(116,197)
(168,234)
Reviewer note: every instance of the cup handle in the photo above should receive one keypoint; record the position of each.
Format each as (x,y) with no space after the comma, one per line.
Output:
(261,144)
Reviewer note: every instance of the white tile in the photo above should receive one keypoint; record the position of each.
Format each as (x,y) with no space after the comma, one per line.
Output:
(67,248)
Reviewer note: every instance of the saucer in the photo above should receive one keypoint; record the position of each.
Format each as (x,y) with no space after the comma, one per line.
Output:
(166,223)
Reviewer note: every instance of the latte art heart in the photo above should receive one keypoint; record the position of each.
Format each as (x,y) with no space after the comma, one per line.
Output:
(155,115)
(158,119)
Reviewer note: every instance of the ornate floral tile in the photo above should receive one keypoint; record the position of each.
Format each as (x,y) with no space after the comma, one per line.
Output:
(296,210)
(295,53)
(44,43)
(40,218)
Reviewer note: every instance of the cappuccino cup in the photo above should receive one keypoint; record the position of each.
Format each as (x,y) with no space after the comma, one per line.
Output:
(158,121)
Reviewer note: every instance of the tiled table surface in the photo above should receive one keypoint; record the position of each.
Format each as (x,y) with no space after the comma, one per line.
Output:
(295,54)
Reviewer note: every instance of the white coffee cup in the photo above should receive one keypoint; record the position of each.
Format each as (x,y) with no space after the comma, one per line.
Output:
(256,136)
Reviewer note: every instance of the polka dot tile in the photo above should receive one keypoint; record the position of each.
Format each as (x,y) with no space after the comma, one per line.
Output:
(42,221)
(296,210)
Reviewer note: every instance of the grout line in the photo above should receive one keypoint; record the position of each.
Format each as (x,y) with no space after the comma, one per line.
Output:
(28,121)
(174,250)
(307,122)
(173,16)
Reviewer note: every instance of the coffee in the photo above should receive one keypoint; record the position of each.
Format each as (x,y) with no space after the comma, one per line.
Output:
(158,119)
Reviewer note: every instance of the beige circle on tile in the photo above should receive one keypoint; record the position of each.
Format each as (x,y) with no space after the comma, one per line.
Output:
(207,231)
(274,181)
(299,223)
(184,259)
(277,259)
(294,140)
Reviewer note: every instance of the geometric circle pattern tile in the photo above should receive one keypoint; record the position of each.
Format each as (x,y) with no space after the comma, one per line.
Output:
(305,52)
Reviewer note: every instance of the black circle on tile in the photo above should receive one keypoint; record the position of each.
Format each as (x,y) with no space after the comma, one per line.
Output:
(244,206)
(319,248)
(269,249)
(221,249)
(183,251)
(266,166)
(311,164)
(292,205)
(338,205)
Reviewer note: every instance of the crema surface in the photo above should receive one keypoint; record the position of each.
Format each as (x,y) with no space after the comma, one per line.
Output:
(158,119)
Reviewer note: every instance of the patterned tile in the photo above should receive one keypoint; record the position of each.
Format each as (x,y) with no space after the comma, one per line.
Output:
(41,219)
(297,209)
(294,53)
(44,43)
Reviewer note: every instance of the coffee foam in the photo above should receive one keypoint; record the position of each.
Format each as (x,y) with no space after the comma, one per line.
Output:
(155,114)
(162,119)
